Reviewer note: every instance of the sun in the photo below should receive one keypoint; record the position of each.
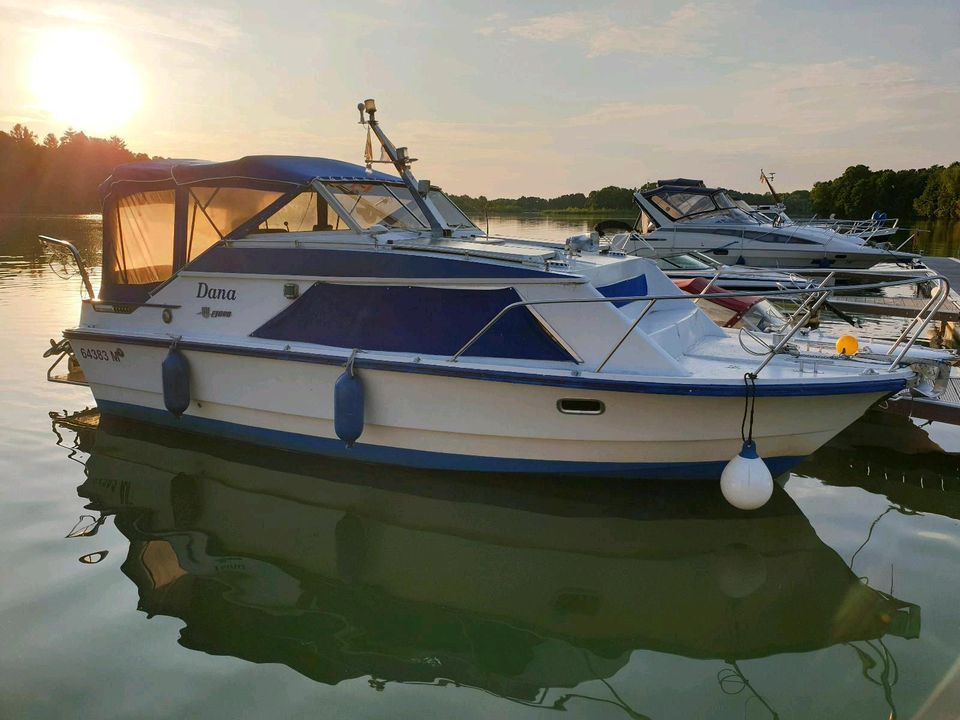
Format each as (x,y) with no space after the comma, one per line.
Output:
(81,79)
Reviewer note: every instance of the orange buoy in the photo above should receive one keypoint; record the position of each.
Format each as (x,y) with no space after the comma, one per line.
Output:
(847,345)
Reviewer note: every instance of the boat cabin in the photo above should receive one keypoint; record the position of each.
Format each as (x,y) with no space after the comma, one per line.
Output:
(161,215)
(687,201)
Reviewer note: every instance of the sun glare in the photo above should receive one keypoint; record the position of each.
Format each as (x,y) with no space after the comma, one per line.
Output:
(82,80)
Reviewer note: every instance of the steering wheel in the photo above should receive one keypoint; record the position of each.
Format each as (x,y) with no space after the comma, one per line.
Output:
(604,226)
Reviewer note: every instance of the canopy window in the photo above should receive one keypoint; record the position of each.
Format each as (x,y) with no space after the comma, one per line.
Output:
(374,204)
(701,205)
(684,204)
(307,212)
(142,226)
(215,212)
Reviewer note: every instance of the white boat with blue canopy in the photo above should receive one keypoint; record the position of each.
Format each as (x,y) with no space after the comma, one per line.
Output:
(325,307)
(683,216)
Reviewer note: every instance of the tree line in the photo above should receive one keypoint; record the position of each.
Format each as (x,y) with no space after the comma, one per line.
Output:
(61,174)
(608,199)
(56,174)
(932,192)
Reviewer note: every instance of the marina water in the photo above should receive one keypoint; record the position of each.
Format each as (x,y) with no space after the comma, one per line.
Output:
(212,580)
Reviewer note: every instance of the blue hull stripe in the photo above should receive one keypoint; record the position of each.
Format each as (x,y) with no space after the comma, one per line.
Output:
(364,452)
(886,386)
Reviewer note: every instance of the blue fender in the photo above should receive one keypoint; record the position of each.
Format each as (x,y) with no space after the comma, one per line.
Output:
(348,407)
(176,382)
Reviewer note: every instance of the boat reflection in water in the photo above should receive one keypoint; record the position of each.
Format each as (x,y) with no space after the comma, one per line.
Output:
(891,455)
(521,587)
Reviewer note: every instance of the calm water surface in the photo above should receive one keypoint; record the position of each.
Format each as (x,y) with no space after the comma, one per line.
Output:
(208,579)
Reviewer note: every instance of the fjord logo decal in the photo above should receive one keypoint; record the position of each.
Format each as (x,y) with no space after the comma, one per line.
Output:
(215,293)
(209,313)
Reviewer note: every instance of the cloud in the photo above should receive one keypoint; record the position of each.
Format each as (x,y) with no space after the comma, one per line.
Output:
(185,23)
(553,28)
(820,98)
(686,31)
(624,112)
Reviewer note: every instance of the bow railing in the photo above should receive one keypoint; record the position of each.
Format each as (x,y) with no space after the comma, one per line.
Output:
(814,298)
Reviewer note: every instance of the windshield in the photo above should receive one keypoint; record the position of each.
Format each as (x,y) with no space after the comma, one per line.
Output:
(681,262)
(688,205)
(307,212)
(375,204)
(450,213)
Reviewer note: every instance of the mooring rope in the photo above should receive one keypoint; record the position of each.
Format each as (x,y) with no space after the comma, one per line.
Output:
(749,406)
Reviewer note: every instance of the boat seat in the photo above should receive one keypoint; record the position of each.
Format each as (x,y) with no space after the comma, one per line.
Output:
(675,326)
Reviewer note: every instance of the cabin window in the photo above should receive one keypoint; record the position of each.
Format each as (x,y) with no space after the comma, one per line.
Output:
(375,204)
(215,212)
(143,237)
(307,212)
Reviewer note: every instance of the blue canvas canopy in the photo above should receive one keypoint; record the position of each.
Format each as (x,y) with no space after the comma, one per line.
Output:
(257,169)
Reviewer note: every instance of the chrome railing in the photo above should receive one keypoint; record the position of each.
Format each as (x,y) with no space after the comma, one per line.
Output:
(45,239)
(816,297)
(864,228)
(98,305)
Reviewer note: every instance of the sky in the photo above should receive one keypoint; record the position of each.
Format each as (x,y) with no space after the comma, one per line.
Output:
(503,99)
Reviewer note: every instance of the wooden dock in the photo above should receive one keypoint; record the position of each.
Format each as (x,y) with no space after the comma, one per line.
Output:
(945,409)
(904,307)
(948,267)
(907,307)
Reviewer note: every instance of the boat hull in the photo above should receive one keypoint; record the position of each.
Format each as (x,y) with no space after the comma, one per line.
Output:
(781,259)
(451,422)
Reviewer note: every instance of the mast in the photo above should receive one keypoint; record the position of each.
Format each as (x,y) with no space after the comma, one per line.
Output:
(401,160)
(768,181)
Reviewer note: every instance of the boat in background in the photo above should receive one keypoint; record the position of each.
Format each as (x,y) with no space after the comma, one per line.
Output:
(684,216)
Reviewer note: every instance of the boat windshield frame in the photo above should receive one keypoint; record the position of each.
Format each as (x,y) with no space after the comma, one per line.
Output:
(675,214)
(451,218)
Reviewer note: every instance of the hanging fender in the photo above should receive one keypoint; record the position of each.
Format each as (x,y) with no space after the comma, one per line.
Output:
(348,404)
(175,372)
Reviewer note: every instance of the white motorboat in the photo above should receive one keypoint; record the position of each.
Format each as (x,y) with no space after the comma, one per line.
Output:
(317,305)
(683,216)
(688,266)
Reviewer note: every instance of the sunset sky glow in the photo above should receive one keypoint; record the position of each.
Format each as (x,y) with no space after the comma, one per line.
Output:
(503,99)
